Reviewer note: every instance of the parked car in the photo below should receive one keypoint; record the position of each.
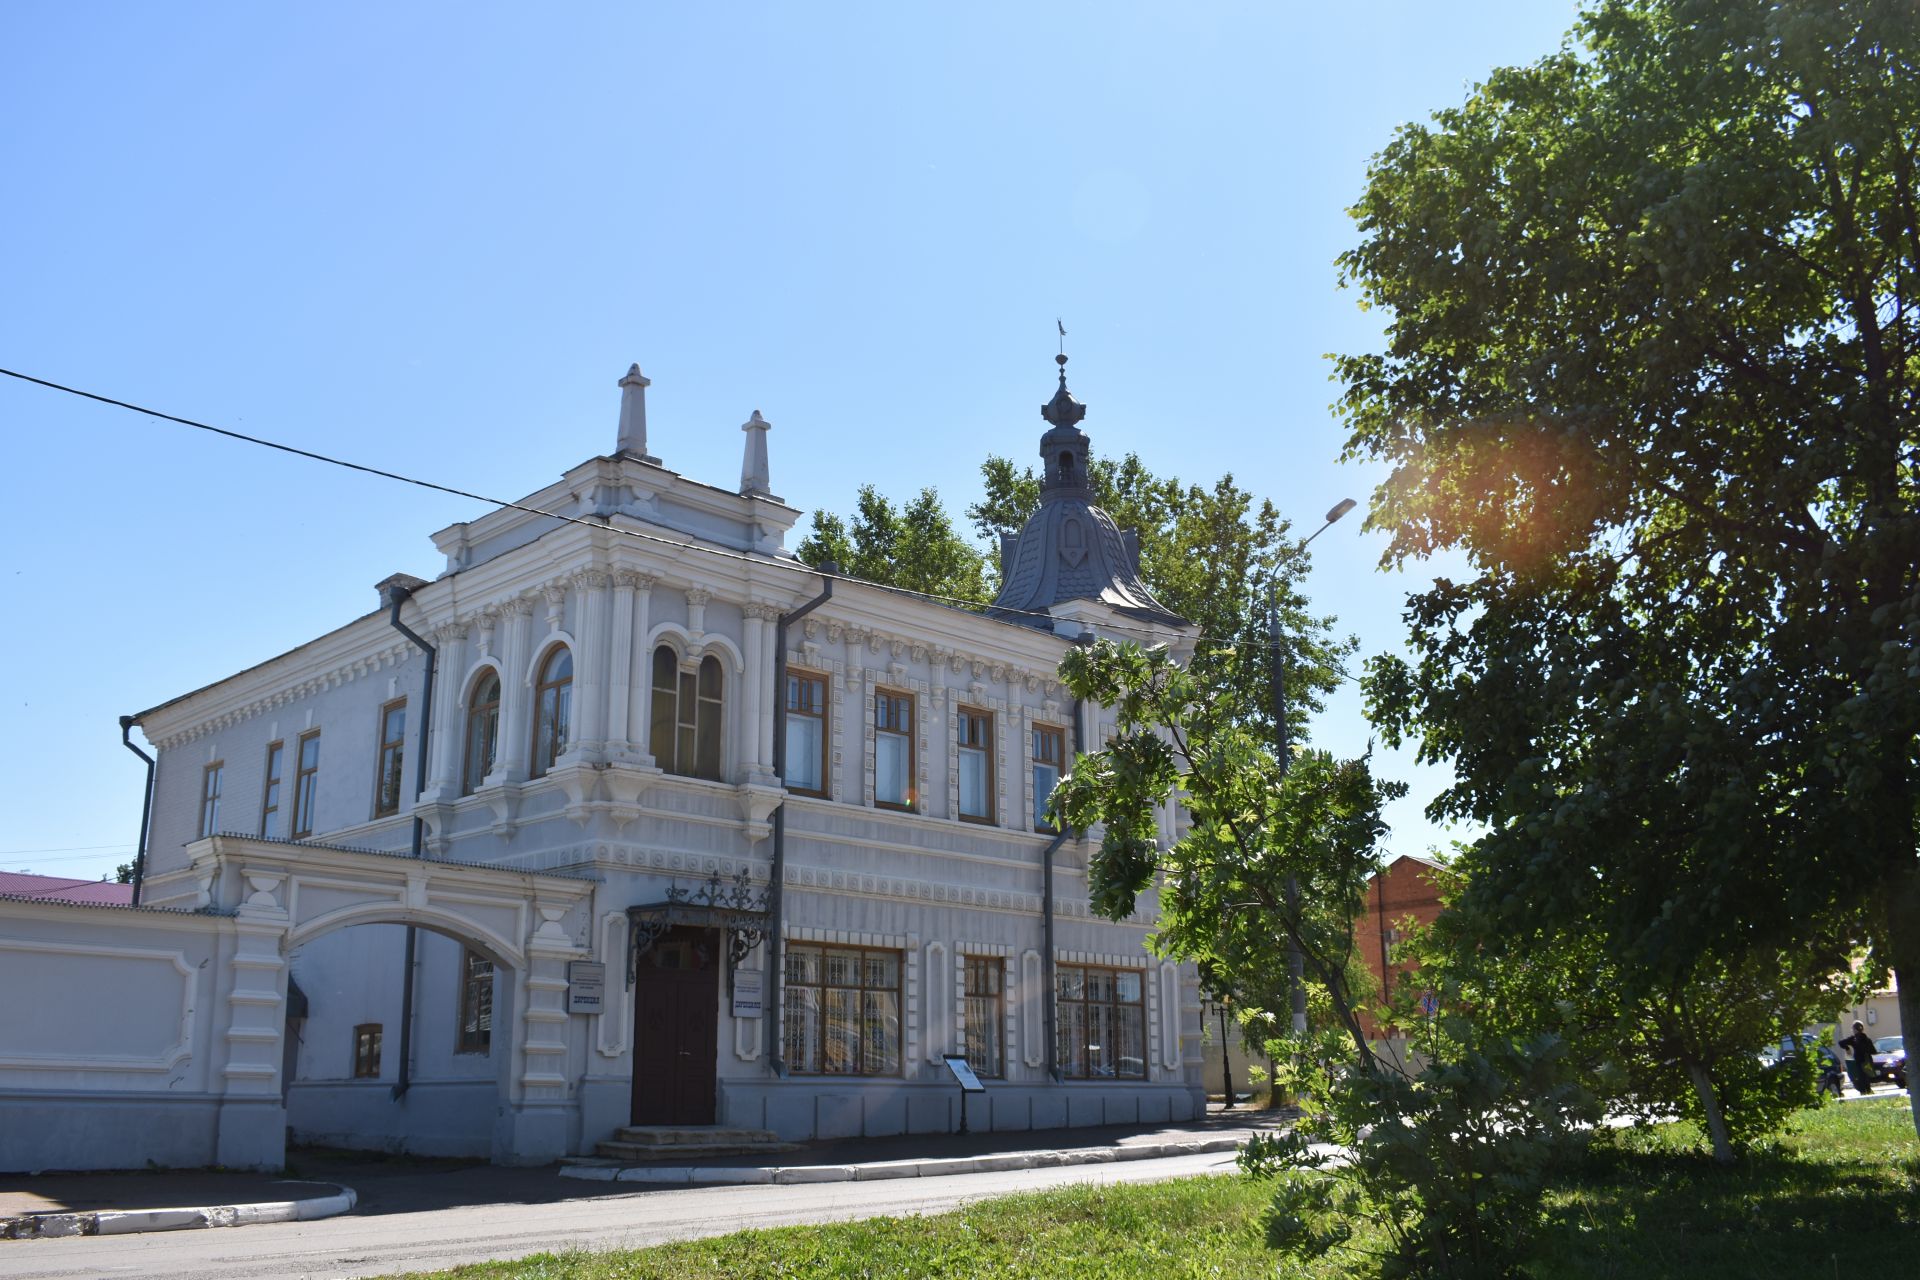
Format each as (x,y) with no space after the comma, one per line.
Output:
(1890,1059)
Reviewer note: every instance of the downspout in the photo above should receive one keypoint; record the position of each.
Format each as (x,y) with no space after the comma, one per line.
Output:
(777,875)
(146,809)
(1050,1000)
(400,595)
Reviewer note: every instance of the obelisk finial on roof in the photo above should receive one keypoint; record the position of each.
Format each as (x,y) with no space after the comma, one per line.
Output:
(755,481)
(633,415)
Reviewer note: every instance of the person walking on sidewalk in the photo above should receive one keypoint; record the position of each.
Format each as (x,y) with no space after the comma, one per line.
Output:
(1859,1047)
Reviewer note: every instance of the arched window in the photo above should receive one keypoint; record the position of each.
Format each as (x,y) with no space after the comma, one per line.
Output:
(686,715)
(552,709)
(483,733)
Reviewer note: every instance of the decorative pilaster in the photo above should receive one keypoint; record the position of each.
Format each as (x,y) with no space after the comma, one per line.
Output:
(590,664)
(450,663)
(252,1120)
(620,668)
(510,759)
(541,1113)
(759,694)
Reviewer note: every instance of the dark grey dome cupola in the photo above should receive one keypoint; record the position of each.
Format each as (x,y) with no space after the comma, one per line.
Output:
(1071,549)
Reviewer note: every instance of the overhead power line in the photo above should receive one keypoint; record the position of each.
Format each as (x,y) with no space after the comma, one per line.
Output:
(598,522)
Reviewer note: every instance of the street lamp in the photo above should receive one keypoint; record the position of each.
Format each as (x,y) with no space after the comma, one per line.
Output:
(1296,963)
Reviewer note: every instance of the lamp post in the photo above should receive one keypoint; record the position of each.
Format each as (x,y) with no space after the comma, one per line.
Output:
(1296,962)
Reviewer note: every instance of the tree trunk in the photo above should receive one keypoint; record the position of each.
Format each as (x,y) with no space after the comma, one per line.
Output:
(1710,1105)
(1903,944)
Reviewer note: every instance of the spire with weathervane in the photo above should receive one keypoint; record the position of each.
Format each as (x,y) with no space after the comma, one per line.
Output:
(1071,549)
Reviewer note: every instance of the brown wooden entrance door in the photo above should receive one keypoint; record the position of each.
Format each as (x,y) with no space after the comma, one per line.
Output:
(676,1020)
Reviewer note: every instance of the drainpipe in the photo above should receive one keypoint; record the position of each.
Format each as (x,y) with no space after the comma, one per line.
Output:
(777,874)
(400,595)
(1050,1000)
(146,809)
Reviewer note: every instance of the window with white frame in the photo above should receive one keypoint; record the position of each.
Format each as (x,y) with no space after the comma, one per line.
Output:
(483,733)
(270,792)
(306,784)
(552,710)
(387,782)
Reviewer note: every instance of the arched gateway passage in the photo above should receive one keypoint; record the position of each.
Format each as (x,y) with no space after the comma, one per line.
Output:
(283,895)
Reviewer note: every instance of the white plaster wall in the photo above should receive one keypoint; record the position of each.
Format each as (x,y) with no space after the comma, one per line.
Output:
(111,1051)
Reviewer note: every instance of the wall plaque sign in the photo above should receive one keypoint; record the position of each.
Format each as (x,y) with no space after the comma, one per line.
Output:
(586,986)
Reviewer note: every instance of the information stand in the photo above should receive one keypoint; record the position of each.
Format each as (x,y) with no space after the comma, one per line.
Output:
(964,1077)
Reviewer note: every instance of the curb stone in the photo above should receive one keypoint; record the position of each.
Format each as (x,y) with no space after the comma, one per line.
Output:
(122,1222)
(882,1169)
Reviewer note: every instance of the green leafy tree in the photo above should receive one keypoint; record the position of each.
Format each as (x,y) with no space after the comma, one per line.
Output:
(1652,365)
(1215,556)
(914,547)
(1449,1161)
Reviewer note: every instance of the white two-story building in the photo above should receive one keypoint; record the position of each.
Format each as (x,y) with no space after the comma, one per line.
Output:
(546,881)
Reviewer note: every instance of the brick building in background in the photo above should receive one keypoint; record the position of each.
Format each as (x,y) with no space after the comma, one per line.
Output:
(1409,888)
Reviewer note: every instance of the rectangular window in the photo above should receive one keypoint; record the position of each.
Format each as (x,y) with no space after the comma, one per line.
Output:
(270,799)
(973,738)
(210,799)
(387,783)
(306,780)
(806,733)
(1101,1023)
(366,1051)
(893,750)
(1049,759)
(843,1011)
(986,1015)
(476,1003)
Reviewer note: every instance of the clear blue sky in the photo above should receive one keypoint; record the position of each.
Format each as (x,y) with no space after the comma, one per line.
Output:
(431,237)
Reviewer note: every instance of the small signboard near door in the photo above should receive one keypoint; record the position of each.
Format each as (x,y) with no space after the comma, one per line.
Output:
(749,986)
(586,986)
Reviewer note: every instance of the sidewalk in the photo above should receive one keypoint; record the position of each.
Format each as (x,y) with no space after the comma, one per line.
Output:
(86,1204)
(933,1155)
(378,1184)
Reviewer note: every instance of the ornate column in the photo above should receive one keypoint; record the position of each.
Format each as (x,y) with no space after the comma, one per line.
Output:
(510,758)
(642,732)
(590,664)
(449,713)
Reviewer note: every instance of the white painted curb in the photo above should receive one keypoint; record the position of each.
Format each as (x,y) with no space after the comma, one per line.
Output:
(121,1222)
(782,1174)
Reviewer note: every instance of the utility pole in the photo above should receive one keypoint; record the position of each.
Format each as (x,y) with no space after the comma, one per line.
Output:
(1296,962)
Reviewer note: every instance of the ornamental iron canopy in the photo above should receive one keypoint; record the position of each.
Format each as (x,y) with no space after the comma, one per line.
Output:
(733,905)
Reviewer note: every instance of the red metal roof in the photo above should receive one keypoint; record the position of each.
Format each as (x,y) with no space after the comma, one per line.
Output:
(18,884)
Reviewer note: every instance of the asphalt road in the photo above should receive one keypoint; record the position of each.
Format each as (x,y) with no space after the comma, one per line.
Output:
(385,1244)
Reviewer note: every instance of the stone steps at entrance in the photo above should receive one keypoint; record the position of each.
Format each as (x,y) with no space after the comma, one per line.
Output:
(678,1142)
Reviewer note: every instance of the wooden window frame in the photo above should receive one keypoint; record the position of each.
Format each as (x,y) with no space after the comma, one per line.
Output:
(788,986)
(824,714)
(965,719)
(913,717)
(550,731)
(470,781)
(212,780)
(685,718)
(474,1038)
(301,826)
(271,783)
(397,748)
(1116,1004)
(367,1038)
(1059,766)
(998,966)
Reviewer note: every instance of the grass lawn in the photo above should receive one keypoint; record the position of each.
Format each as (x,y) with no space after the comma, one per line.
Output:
(1839,1192)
